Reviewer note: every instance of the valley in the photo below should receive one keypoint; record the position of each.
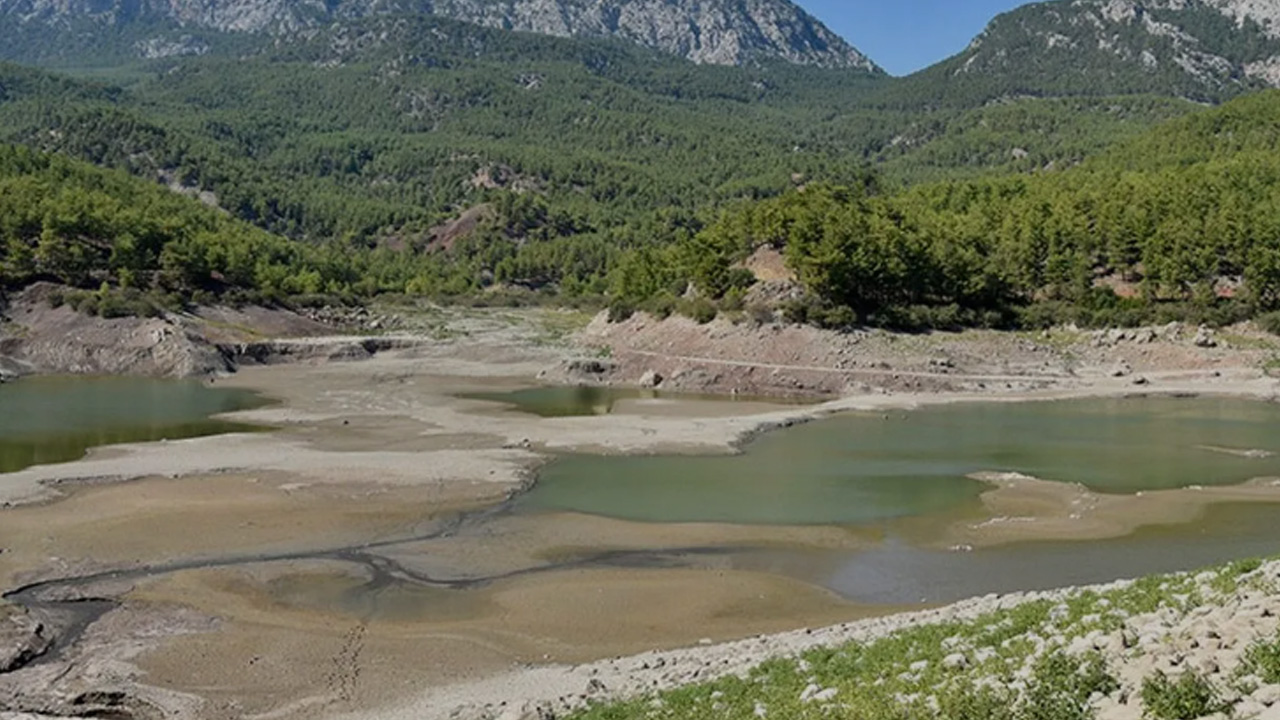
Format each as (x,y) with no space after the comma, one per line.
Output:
(381,546)
(636,360)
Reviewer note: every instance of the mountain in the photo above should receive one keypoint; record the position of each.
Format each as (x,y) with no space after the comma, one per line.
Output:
(721,32)
(1204,50)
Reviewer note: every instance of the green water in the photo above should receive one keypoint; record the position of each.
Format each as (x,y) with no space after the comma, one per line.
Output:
(570,401)
(860,469)
(56,419)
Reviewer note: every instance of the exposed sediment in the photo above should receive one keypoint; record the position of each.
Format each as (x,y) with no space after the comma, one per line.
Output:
(237,556)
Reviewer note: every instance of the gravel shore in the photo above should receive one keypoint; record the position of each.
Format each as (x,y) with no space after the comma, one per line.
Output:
(1203,623)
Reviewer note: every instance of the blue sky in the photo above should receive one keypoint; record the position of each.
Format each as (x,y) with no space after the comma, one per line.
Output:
(906,35)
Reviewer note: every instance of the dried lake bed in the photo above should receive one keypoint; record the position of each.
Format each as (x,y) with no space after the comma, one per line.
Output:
(386,537)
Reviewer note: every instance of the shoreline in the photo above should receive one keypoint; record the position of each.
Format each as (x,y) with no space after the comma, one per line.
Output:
(389,432)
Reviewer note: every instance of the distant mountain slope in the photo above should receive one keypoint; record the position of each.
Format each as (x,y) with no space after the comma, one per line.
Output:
(722,32)
(1205,50)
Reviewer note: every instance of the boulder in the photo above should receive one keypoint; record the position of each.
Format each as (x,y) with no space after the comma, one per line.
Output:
(651,380)
(22,639)
(1204,338)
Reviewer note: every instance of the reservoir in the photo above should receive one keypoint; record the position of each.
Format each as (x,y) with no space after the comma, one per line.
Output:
(56,419)
(867,468)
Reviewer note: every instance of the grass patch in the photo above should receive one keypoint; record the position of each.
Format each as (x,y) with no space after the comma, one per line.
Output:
(1190,696)
(556,326)
(1263,660)
(1037,661)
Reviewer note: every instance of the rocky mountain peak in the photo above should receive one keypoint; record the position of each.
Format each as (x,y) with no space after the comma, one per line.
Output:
(1202,49)
(725,32)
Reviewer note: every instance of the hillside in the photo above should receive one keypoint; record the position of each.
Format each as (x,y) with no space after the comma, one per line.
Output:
(1206,50)
(1178,224)
(586,168)
(126,246)
(602,130)
(718,31)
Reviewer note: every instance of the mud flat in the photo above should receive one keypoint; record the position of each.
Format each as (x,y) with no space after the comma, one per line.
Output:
(366,549)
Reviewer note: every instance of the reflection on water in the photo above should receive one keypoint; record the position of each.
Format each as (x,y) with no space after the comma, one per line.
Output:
(896,573)
(865,468)
(55,419)
(573,401)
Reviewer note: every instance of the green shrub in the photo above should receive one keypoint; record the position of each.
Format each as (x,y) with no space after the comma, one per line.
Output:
(1062,685)
(661,305)
(760,313)
(1263,659)
(1190,696)
(836,318)
(620,310)
(970,703)
(701,310)
(1270,322)
(733,300)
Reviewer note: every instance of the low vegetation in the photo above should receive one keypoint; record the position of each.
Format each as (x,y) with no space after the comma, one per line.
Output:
(1044,660)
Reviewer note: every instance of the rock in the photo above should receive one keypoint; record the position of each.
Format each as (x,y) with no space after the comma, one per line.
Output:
(22,639)
(651,380)
(1122,369)
(1141,381)
(527,711)
(1249,709)
(1267,695)
(1204,338)
(589,367)
(955,661)
(815,693)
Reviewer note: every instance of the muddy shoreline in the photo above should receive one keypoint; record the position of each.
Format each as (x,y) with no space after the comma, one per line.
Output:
(217,550)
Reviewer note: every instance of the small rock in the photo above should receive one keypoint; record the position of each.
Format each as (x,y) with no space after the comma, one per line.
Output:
(1204,338)
(955,661)
(1267,695)
(651,380)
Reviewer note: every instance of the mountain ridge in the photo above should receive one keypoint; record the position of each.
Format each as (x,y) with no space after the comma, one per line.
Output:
(704,31)
(1204,50)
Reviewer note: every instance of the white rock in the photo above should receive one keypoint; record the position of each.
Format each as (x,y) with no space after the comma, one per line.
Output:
(955,661)
(1249,709)
(1267,695)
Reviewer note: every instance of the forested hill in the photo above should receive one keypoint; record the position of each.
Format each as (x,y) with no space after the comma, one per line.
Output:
(1205,50)
(384,127)
(723,32)
(1183,223)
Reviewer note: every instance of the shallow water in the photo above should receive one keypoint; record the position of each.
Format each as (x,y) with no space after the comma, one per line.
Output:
(867,468)
(575,401)
(56,419)
(898,573)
